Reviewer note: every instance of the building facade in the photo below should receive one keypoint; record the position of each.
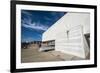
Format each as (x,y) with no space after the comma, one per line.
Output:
(68,34)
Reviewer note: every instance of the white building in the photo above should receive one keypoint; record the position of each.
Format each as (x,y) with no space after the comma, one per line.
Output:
(68,34)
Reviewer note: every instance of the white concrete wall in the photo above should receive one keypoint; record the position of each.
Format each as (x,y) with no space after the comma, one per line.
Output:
(77,24)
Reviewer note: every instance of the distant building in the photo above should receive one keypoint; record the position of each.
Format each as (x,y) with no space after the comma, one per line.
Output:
(68,35)
(25,45)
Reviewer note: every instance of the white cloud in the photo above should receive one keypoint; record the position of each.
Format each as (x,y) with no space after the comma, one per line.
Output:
(28,24)
(37,27)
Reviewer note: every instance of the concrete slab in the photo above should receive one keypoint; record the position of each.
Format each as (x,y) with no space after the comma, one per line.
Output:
(32,54)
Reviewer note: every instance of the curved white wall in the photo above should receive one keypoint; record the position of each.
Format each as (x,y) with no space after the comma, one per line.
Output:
(77,24)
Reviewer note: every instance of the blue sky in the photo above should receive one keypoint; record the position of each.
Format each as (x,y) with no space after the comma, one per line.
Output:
(34,23)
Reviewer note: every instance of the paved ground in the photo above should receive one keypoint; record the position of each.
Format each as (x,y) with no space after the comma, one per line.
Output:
(33,55)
